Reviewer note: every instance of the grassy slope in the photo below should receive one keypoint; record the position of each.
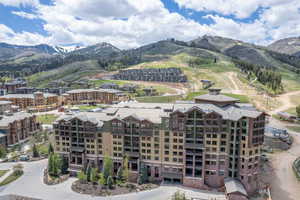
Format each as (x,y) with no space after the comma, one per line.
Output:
(3,172)
(70,72)
(14,176)
(47,118)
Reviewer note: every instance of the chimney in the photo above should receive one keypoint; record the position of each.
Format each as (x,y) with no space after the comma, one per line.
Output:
(214,91)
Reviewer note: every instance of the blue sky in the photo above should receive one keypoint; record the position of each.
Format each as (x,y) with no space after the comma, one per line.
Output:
(131,23)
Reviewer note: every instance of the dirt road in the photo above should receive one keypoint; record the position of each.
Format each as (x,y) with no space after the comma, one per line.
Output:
(284,185)
(286,102)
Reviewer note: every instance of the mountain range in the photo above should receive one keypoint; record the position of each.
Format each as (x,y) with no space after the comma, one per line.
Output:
(284,53)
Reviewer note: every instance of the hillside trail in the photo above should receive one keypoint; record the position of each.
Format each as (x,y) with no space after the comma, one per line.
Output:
(286,102)
(232,77)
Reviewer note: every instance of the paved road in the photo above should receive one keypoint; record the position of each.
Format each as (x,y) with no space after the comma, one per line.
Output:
(31,185)
(284,185)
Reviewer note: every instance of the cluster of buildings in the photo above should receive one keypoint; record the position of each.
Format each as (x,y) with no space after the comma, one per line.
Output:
(152,74)
(46,99)
(15,128)
(94,96)
(210,142)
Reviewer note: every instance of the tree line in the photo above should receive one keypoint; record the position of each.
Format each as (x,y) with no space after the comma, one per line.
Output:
(264,75)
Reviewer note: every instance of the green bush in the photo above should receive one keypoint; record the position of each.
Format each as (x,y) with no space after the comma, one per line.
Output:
(82,177)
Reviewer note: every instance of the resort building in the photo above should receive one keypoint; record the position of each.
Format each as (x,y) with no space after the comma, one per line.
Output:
(94,96)
(16,128)
(196,144)
(11,86)
(5,106)
(33,102)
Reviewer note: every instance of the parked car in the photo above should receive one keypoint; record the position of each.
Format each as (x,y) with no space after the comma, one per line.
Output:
(24,157)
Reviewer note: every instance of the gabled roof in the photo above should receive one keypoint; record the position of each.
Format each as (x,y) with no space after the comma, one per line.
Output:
(234,186)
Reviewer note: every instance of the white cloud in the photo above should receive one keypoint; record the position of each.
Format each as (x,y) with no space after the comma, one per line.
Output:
(131,23)
(24,38)
(19,3)
(238,8)
(25,14)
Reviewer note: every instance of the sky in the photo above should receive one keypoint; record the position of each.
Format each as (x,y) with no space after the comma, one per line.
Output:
(132,23)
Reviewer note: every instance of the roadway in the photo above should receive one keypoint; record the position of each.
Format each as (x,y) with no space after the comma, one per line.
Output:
(31,185)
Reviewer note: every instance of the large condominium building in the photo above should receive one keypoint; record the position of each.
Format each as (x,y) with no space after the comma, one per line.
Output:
(105,96)
(11,86)
(34,102)
(5,106)
(16,128)
(196,144)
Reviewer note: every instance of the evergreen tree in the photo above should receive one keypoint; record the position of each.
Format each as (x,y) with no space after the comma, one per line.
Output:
(35,152)
(125,169)
(298,110)
(82,177)
(107,167)
(50,163)
(143,175)
(50,149)
(64,165)
(88,173)
(110,182)
(94,175)
(2,152)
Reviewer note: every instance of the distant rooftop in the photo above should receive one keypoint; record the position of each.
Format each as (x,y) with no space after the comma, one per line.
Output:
(94,90)
(28,96)
(216,96)
(5,102)
(11,118)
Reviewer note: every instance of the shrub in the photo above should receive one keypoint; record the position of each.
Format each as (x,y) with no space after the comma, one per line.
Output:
(179,196)
(125,169)
(35,152)
(82,177)
(298,110)
(94,175)
(107,167)
(101,179)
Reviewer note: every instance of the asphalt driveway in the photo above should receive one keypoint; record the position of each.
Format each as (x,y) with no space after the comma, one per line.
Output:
(31,185)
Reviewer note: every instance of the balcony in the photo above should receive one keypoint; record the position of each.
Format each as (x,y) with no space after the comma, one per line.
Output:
(193,145)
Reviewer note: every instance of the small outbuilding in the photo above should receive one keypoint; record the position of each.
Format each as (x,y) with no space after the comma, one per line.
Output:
(235,190)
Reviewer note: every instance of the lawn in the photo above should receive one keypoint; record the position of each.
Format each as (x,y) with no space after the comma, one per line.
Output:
(14,176)
(291,111)
(47,119)
(43,148)
(294,128)
(2,172)
(87,107)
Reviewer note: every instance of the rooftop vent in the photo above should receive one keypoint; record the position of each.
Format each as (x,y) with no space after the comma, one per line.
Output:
(214,91)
